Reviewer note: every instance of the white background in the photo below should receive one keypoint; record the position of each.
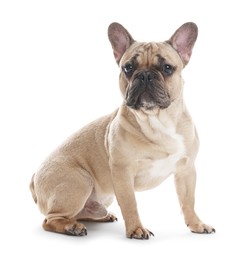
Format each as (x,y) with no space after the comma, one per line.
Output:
(57,73)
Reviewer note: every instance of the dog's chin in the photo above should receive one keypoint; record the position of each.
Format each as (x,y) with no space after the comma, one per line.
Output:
(149,106)
(149,109)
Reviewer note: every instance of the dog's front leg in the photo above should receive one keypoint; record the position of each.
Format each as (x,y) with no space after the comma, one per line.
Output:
(123,183)
(185,185)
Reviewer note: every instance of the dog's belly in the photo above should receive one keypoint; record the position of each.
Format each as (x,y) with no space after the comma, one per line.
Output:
(154,173)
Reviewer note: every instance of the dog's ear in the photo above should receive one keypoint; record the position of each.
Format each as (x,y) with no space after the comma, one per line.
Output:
(120,39)
(184,39)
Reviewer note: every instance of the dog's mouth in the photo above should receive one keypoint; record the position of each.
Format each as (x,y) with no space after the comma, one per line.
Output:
(147,105)
(147,96)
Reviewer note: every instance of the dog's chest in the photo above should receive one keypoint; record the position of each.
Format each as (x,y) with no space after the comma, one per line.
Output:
(162,168)
(152,171)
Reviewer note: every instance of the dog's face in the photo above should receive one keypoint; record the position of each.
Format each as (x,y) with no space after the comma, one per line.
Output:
(150,75)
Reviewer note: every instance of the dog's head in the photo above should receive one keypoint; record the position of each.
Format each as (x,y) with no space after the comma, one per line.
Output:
(150,75)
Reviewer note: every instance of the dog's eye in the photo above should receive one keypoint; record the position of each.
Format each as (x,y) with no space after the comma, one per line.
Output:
(128,68)
(168,69)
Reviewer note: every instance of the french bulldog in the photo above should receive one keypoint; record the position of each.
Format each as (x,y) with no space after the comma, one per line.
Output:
(148,138)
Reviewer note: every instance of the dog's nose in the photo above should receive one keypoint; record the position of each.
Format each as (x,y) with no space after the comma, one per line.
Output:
(146,76)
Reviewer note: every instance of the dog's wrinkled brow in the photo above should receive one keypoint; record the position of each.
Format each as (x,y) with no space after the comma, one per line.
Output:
(161,60)
(134,59)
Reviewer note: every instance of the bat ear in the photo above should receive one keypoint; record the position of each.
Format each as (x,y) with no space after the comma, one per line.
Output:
(183,40)
(120,40)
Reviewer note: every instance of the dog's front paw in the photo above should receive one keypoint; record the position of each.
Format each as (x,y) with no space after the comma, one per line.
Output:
(140,233)
(201,228)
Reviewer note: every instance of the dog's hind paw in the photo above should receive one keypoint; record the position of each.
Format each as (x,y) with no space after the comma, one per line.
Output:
(109,218)
(76,229)
(65,226)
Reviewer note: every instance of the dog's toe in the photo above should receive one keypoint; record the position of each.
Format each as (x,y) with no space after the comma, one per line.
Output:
(140,233)
(111,218)
(201,228)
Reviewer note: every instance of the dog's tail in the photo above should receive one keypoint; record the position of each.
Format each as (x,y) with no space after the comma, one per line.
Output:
(31,186)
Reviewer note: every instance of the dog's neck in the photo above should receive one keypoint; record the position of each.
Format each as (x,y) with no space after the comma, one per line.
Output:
(158,126)
(168,117)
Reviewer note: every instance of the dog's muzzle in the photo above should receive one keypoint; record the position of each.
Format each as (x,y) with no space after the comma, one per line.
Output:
(147,91)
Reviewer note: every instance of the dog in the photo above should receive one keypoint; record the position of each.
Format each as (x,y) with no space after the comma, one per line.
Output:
(148,138)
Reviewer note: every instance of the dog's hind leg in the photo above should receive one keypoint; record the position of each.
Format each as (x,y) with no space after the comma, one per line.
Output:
(65,198)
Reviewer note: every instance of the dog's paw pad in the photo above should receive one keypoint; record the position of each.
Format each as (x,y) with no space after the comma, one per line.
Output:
(76,229)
